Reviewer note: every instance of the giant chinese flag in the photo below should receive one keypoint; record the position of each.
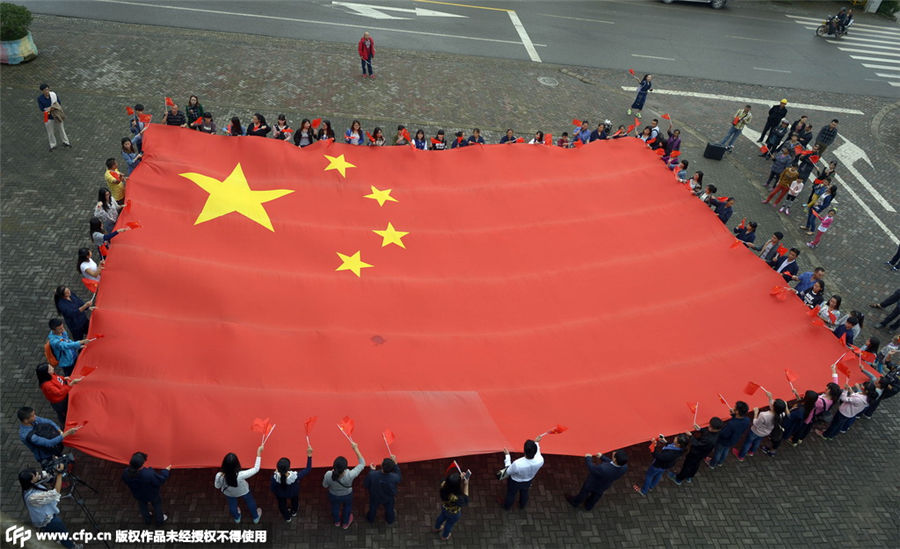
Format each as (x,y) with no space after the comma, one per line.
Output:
(466,299)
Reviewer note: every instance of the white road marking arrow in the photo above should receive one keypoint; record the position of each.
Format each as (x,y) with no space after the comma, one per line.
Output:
(378,12)
(847,154)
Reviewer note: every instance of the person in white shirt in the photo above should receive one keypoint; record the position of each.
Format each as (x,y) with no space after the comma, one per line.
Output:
(232,482)
(521,472)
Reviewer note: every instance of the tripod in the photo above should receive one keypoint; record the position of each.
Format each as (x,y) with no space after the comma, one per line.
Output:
(74,495)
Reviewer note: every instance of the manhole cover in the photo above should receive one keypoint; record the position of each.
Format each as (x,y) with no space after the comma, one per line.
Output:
(548,81)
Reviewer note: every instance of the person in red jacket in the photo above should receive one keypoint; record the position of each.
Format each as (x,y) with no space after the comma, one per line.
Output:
(366,50)
(55,389)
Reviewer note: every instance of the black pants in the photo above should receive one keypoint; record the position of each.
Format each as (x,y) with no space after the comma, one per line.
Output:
(587,496)
(513,488)
(287,511)
(689,467)
(894,298)
(895,261)
(61,408)
(770,125)
(801,432)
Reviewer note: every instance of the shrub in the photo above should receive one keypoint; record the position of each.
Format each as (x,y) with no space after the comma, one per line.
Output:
(14,21)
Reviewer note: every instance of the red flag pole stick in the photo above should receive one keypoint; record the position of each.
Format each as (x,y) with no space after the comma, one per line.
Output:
(793,389)
(307,441)
(763,388)
(267,435)
(696,408)
(457,467)
(343,433)
(724,401)
(388,446)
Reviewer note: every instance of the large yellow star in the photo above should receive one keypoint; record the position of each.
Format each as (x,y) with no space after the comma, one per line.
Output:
(391,236)
(338,163)
(381,196)
(234,195)
(352,263)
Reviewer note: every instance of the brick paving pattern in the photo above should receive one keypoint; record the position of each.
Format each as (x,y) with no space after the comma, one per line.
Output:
(843,492)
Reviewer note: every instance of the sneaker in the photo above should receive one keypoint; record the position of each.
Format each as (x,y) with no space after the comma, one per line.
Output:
(821,433)
(708,461)
(628,111)
(673,478)
(258,515)
(238,520)
(737,454)
(338,523)
(787,211)
(764,201)
(638,490)
(768,451)
(372,76)
(67,144)
(165,518)
(750,454)
(293,513)
(349,521)
(638,115)
(447,538)
(795,444)
(288,520)
(689,480)
(781,209)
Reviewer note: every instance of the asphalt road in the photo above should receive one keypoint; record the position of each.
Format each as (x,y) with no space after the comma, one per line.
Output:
(748,42)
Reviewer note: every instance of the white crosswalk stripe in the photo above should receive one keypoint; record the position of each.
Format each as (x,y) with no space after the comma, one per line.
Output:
(875,47)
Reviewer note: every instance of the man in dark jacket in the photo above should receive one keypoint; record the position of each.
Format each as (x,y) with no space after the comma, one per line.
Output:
(786,265)
(776,114)
(731,434)
(600,478)
(769,250)
(701,445)
(665,455)
(144,483)
(382,487)
(724,208)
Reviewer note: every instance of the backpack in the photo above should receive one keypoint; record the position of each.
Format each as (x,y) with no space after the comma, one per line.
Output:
(48,354)
(49,432)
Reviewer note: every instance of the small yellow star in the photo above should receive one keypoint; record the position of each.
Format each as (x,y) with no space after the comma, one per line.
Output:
(391,236)
(352,263)
(381,196)
(234,194)
(338,163)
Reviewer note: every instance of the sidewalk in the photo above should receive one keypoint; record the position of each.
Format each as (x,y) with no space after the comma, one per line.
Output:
(98,68)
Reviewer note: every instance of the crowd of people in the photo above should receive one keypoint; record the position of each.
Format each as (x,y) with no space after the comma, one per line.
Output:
(836,408)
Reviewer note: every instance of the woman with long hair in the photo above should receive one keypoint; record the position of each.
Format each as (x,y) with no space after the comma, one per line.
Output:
(419,140)
(831,311)
(354,134)
(823,404)
(339,481)
(454,494)
(87,268)
(794,420)
(258,126)
(55,389)
(325,131)
(72,309)
(232,482)
(193,111)
(644,86)
(305,135)
(106,209)
(377,138)
(282,129)
(286,485)
(102,238)
(852,403)
(768,423)
(234,128)
(43,503)
(131,155)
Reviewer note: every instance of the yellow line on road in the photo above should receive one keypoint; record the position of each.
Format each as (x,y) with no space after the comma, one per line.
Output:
(461,5)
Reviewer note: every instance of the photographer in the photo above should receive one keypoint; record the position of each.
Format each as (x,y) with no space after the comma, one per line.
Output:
(43,504)
(41,435)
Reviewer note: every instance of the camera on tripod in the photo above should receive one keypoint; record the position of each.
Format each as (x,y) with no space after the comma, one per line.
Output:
(56,465)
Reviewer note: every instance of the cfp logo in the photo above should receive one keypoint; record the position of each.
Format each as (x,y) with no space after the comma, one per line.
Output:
(18,534)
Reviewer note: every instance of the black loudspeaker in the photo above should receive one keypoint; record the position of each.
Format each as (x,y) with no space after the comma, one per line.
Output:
(714,151)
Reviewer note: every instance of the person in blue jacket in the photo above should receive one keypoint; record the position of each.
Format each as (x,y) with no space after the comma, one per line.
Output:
(144,483)
(665,455)
(64,349)
(382,488)
(600,477)
(731,434)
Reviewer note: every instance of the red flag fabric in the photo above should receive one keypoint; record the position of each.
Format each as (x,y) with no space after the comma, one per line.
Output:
(652,141)
(260,425)
(169,102)
(436,141)
(790,375)
(388,436)
(843,339)
(659,152)
(198,121)
(145,118)
(631,71)
(818,322)
(798,149)
(287,130)
(104,250)
(316,123)
(764,149)
(129,110)
(781,250)
(629,129)
(309,423)
(666,116)
(453,465)
(470,284)
(347,425)
(736,244)
(369,135)
(722,400)
(843,368)
(867,356)
(637,122)
(722,198)
(751,388)
(46,116)
(692,406)
(520,140)
(813,312)
(674,154)
(548,139)
(133,225)
(578,144)
(576,122)
(406,136)
(91,285)
(557,430)
(814,159)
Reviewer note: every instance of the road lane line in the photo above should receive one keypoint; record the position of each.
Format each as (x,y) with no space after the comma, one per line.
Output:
(883,75)
(756,101)
(746,38)
(881,67)
(771,70)
(895,84)
(753,135)
(855,25)
(523,35)
(849,41)
(854,50)
(579,19)
(854,45)
(461,5)
(652,57)
(298,20)
(879,59)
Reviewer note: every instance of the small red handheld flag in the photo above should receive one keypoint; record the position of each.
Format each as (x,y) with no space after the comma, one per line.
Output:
(576,122)
(91,285)
(651,141)
(751,388)
(666,116)
(520,140)
(260,425)
(452,466)
(781,250)
(629,129)
(145,118)
(548,139)
(723,401)
(843,338)
(736,121)
(46,116)
(557,430)
(169,102)
(369,135)
(287,130)
(790,375)
(832,317)
(804,152)
(389,436)
(129,110)
(722,199)
(813,312)
(578,144)
(798,149)
(637,122)
(692,406)
(315,123)
(346,425)
(631,71)
(104,250)
(818,322)
(867,356)
(309,423)
(673,154)
(659,152)
(436,141)
(844,369)
(814,159)
(133,225)
(405,134)
(459,139)
(736,243)
(199,120)
(764,149)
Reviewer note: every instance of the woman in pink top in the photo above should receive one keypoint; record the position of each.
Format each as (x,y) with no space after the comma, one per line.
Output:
(852,404)
(824,403)
(824,225)
(768,423)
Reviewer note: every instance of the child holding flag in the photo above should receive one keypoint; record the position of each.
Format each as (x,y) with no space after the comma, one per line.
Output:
(730,434)
(286,485)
